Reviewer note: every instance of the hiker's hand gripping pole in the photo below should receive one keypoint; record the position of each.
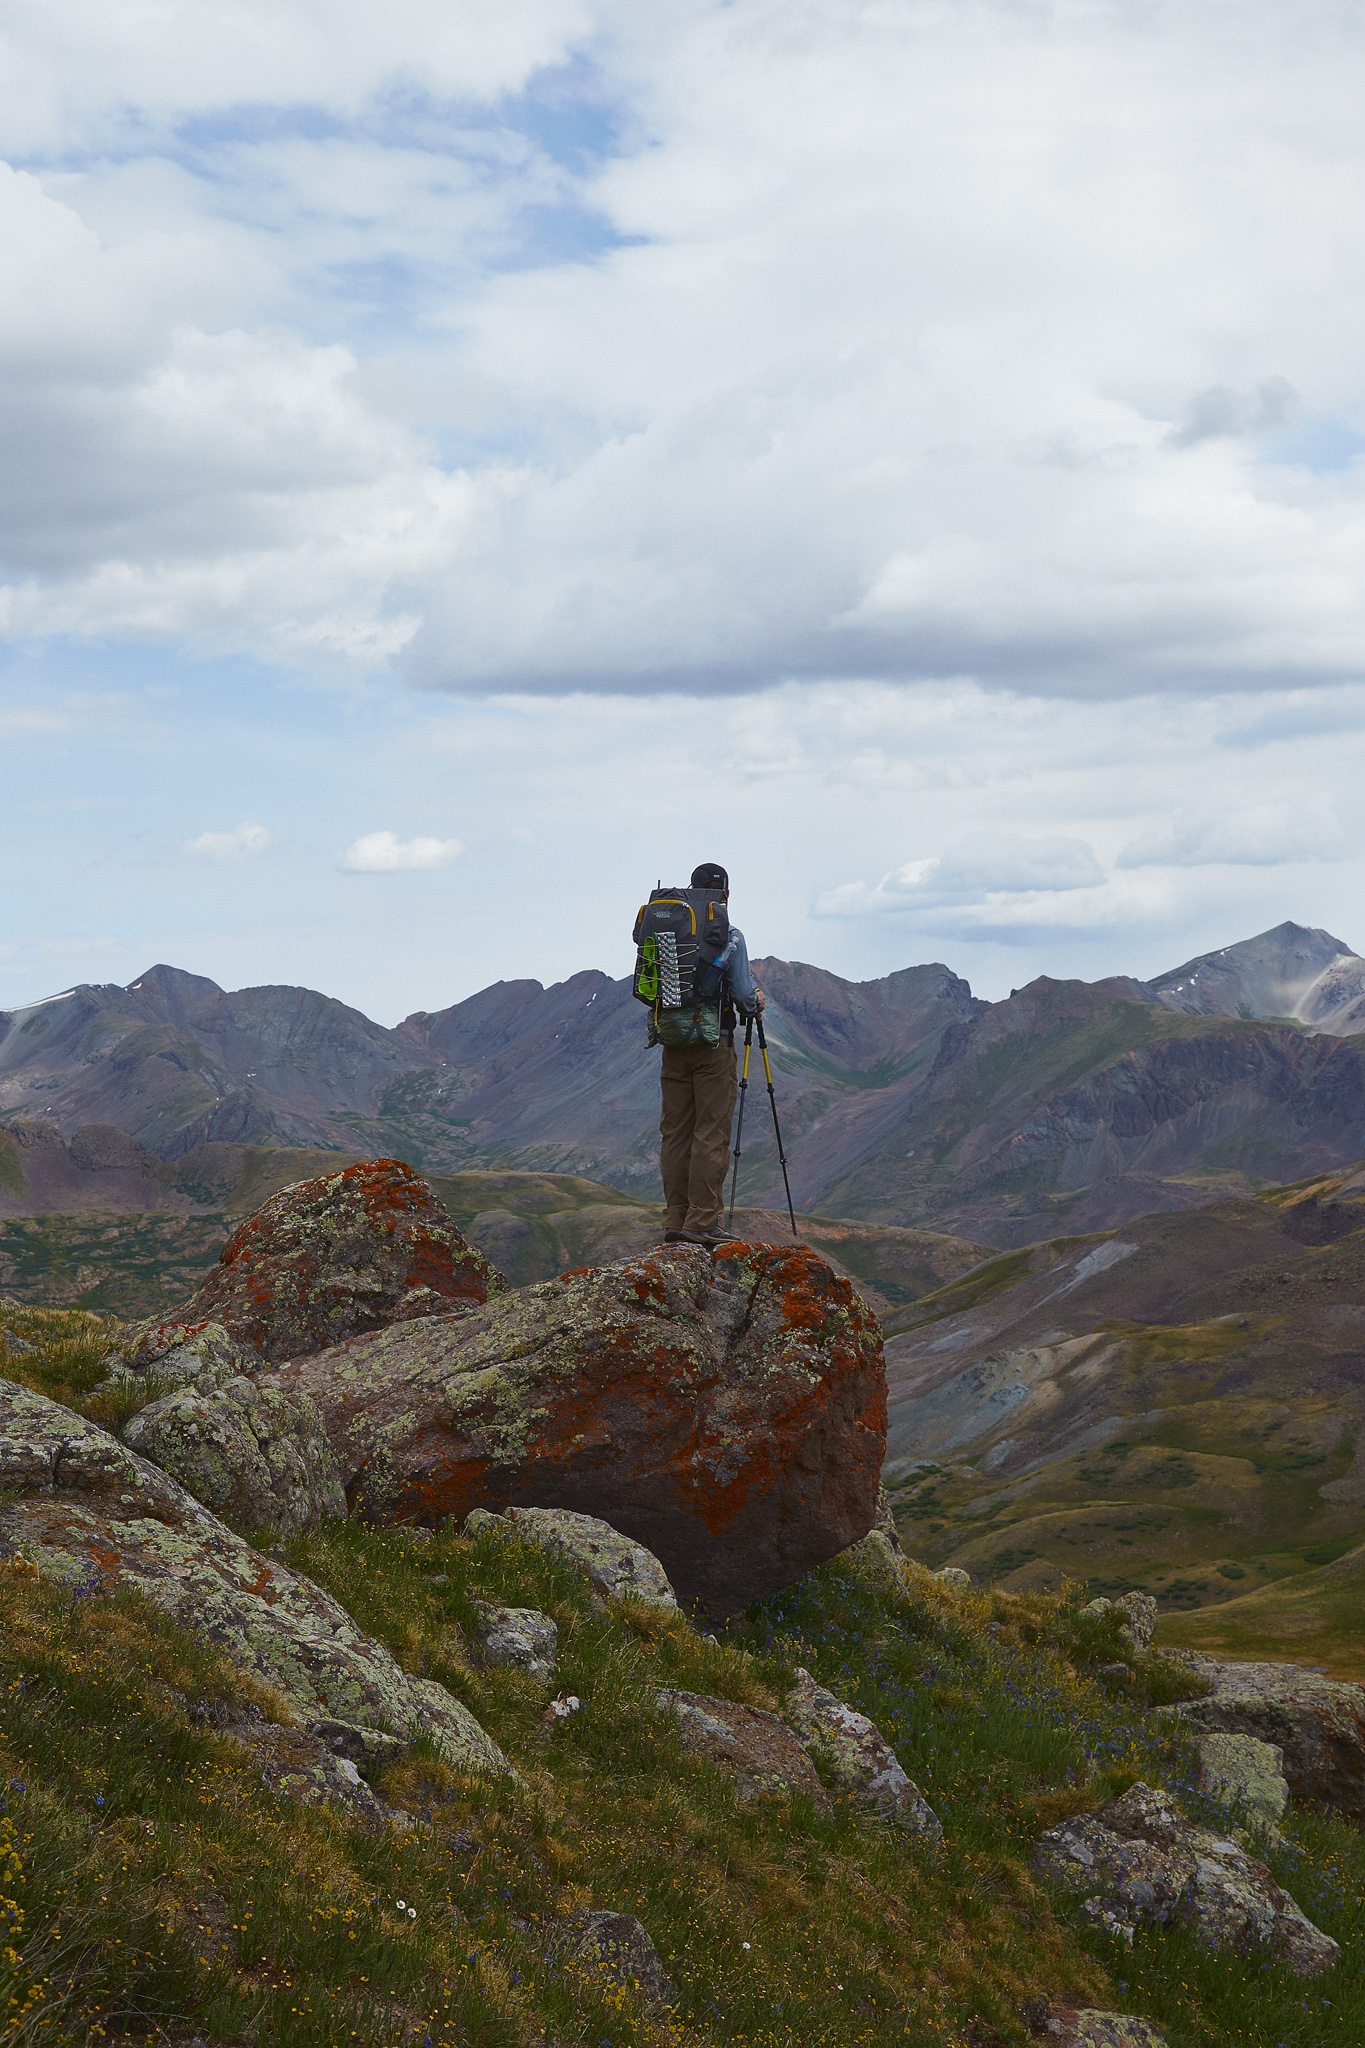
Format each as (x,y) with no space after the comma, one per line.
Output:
(739,1127)
(777,1129)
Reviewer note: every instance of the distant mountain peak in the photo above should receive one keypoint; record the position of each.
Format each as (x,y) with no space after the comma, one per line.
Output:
(1294,971)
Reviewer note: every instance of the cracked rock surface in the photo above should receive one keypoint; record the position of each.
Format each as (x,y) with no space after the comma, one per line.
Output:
(1319,1724)
(860,1756)
(727,1412)
(1138,1859)
(247,1449)
(89,1511)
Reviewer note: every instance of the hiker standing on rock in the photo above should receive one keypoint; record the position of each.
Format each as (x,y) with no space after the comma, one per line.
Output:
(692,969)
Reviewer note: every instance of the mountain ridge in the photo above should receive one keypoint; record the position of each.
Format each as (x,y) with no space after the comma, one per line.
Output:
(906,1100)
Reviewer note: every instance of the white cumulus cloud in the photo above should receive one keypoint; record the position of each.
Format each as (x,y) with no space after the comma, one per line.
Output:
(975,869)
(858,342)
(231,845)
(384,853)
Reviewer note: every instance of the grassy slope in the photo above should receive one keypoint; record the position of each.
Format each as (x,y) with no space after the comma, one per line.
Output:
(165,1896)
(1311,1617)
(1208,1498)
(1196,1499)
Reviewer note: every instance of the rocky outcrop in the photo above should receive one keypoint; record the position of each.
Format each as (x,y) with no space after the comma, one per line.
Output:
(616,1566)
(756,1747)
(251,1451)
(519,1636)
(1082,2027)
(615,1948)
(1138,1860)
(88,1511)
(726,1412)
(1138,1614)
(860,1757)
(327,1259)
(1318,1723)
(1245,1774)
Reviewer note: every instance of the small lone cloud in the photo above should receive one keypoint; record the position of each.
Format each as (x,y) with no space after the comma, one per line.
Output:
(384,853)
(231,845)
(1220,414)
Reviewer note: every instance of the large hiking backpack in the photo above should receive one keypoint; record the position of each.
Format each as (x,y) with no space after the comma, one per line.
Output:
(681,936)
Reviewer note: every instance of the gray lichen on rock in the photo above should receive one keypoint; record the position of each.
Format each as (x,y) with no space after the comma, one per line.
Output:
(166,1355)
(250,1450)
(616,1564)
(90,1512)
(1139,1617)
(1139,1860)
(1246,1774)
(519,1636)
(617,1947)
(1070,2027)
(860,1757)
(1318,1723)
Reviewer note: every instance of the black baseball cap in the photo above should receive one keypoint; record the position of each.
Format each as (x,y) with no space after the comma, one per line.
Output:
(710,876)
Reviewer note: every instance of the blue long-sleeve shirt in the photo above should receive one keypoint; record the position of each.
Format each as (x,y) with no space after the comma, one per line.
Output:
(739,976)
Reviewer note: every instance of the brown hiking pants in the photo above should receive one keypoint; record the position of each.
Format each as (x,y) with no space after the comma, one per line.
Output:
(694,1126)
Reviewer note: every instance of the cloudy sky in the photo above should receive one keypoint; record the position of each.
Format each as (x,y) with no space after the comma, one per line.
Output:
(463,463)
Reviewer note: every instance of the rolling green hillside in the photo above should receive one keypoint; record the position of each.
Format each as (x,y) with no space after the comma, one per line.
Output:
(1177,1407)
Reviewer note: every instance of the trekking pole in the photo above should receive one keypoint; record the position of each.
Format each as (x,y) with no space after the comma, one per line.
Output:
(739,1127)
(777,1129)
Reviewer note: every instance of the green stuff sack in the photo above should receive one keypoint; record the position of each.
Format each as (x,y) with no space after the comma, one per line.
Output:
(699,1024)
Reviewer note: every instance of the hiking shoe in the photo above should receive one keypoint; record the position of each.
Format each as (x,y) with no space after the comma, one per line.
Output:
(673,1237)
(715,1238)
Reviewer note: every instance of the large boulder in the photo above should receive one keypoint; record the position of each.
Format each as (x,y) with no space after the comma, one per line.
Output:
(325,1260)
(1138,1860)
(250,1450)
(1319,1724)
(727,1411)
(82,1507)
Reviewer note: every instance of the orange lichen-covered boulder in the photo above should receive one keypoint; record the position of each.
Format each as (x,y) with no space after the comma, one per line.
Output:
(329,1258)
(729,1413)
